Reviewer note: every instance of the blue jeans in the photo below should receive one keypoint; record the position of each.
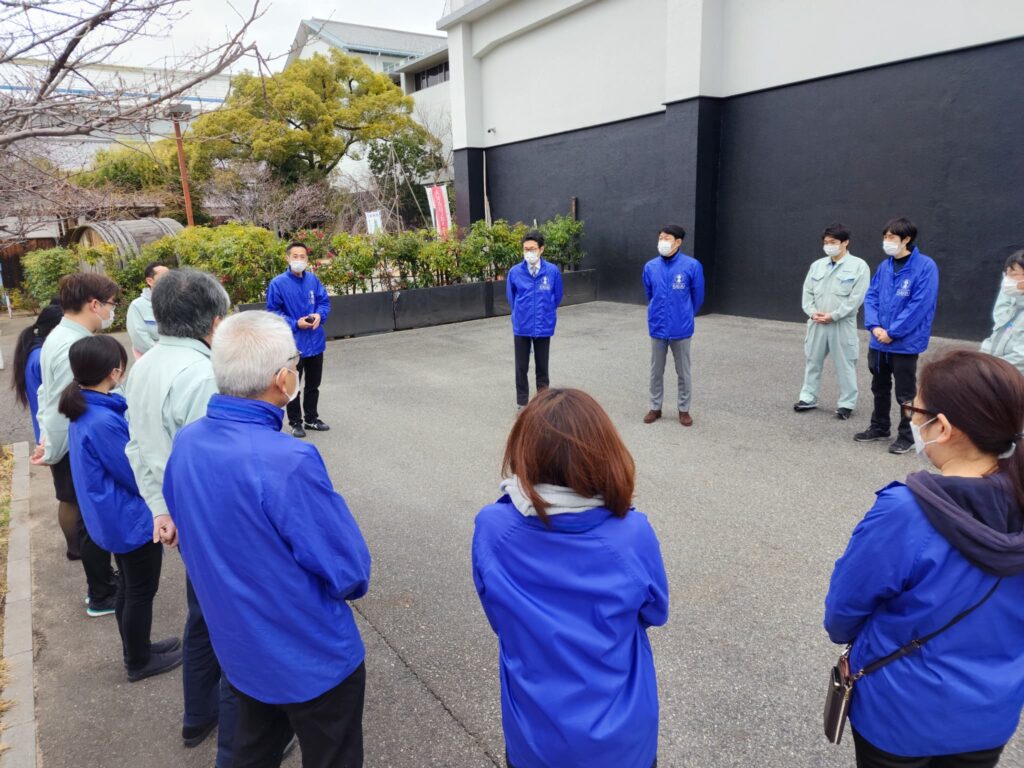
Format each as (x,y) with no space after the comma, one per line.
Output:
(207,694)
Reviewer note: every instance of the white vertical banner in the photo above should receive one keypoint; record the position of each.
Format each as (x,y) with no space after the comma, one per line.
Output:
(374,222)
(440,212)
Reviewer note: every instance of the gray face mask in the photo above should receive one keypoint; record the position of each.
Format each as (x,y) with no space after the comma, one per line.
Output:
(919,442)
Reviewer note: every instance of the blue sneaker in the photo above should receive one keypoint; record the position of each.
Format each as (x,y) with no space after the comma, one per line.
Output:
(100,608)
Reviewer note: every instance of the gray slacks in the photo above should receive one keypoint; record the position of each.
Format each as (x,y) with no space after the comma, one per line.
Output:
(681,355)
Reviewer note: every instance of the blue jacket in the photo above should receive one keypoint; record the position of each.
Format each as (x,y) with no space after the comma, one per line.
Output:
(903,303)
(534,300)
(901,579)
(292,296)
(571,605)
(114,512)
(33,378)
(675,293)
(271,549)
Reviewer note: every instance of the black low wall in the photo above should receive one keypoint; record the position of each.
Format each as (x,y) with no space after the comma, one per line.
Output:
(366,313)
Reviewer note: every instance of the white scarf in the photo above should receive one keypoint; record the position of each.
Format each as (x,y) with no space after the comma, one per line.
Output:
(560,499)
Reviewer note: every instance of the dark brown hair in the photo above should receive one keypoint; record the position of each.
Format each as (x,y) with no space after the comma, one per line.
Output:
(79,289)
(563,437)
(983,397)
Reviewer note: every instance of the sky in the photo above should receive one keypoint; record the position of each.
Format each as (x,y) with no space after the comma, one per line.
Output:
(208,21)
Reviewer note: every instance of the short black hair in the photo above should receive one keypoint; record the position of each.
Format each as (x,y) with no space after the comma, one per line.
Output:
(838,231)
(79,289)
(536,236)
(1016,260)
(675,230)
(901,227)
(186,302)
(297,244)
(150,270)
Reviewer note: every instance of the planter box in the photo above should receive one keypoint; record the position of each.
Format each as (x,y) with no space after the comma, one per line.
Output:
(364,313)
(423,307)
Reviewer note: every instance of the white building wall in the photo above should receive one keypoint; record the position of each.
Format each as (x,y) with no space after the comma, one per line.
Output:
(535,67)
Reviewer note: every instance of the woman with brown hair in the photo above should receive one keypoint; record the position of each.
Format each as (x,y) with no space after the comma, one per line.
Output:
(934,571)
(570,577)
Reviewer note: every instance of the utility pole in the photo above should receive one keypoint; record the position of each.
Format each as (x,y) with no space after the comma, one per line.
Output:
(181,112)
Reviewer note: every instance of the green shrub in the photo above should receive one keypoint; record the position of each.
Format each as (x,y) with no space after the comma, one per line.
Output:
(353,267)
(489,252)
(563,242)
(317,241)
(44,269)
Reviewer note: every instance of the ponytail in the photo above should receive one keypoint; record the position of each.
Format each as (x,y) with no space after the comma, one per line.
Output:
(72,402)
(92,359)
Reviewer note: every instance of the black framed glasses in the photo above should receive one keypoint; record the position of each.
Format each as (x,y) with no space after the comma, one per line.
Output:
(907,410)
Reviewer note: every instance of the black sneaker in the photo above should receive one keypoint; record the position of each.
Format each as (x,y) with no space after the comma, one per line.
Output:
(165,646)
(194,735)
(902,445)
(844,413)
(158,664)
(99,608)
(317,426)
(803,405)
(871,434)
(298,431)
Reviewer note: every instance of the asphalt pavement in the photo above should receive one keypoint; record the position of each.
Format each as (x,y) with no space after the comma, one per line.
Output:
(752,505)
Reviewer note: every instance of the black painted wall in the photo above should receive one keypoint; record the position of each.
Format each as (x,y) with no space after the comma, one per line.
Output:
(629,178)
(938,140)
(755,178)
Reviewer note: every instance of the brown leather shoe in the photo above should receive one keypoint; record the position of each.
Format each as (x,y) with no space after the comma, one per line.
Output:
(685,419)
(652,416)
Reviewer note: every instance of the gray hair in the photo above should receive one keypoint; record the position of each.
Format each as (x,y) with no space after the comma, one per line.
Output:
(248,351)
(186,302)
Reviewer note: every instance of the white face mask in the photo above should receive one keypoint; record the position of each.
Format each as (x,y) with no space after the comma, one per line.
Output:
(298,266)
(832,250)
(1009,287)
(105,322)
(294,394)
(891,247)
(532,257)
(665,247)
(919,442)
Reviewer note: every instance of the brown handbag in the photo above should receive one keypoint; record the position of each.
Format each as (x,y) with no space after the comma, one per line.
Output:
(840,683)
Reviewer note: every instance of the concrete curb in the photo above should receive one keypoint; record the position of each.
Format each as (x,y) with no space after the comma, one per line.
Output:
(19,734)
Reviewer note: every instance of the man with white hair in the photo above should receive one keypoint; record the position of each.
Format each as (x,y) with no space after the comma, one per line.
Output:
(168,388)
(280,534)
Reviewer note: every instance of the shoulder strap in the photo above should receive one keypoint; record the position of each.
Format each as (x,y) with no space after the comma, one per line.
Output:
(913,645)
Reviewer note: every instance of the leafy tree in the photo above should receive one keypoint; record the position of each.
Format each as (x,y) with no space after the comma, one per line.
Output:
(401,164)
(304,120)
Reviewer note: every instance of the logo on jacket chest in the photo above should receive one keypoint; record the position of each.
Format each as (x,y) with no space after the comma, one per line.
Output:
(312,299)
(545,284)
(678,283)
(904,289)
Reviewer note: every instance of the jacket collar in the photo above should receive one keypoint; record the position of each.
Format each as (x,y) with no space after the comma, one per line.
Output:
(301,278)
(910,259)
(571,522)
(147,294)
(76,328)
(244,410)
(181,341)
(112,400)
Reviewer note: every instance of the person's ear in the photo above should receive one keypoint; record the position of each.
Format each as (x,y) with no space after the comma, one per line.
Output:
(945,429)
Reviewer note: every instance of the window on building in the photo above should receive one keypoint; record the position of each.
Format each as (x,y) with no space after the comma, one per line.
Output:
(391,66)
(434,76)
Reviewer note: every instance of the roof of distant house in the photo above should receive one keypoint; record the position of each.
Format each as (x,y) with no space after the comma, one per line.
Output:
(372,39)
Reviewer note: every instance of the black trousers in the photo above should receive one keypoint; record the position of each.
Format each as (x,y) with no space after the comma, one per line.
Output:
(311,372)
(329,728)
(95,560)
(541,347)
(870,756)
(885,367)
(138,577)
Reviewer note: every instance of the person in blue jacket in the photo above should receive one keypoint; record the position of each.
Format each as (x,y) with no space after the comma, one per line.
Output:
(534,291)
(898,311)
(26,373)
(930,549)
(570,577)
(674,286)
(274,555)
(300,298)
(115,515)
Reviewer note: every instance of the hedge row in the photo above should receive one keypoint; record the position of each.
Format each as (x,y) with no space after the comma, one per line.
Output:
(245,258)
